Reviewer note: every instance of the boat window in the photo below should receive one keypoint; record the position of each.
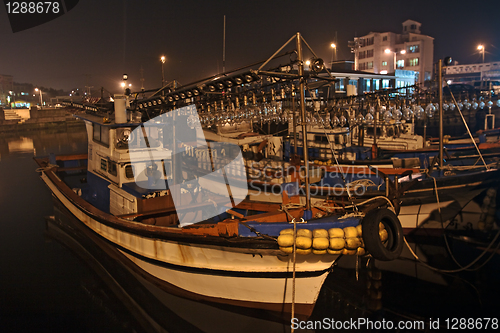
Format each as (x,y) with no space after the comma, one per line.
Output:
(129,171)
(112,168)
(101,134)
(105,135)
(320,138)
(167,168)
(104,164)
(148,136)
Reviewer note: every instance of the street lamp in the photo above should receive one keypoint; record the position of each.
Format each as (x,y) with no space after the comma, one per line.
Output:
(162,59)
(481,49)
(388,51)
(334,48)
(41,100)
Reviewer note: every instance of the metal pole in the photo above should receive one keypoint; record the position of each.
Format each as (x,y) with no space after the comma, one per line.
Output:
(224,48)
(425,121)
(303,119)
(440,85)
(294,124)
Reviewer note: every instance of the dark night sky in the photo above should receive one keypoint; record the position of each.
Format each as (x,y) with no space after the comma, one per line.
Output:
(98,41)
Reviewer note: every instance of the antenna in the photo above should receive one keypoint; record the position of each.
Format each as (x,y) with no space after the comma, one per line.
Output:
(224,47)
(142,78)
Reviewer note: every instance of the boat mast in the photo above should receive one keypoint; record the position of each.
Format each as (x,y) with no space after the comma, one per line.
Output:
(440,87)
(303,119)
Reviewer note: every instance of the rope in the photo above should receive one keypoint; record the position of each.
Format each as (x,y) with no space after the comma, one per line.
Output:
(293,269)
(48,167)
(252,229)
(361,182)
(466,126)
(462,268)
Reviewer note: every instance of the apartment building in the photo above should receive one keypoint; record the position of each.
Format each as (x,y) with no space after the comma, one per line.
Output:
(386,52)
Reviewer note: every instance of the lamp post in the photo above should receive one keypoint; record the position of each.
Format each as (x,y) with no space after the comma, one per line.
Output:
(334,49)
(41,100)
(162,59)
(481,49)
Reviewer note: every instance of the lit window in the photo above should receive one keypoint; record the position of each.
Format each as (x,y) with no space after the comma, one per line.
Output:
(384,63)
(413,62)
(413,48)
(400,63)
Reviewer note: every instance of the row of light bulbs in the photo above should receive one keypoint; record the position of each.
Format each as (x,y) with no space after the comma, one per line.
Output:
(274,112)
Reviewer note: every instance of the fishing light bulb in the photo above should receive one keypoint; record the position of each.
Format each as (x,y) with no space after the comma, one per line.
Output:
(343,121)
(369,118)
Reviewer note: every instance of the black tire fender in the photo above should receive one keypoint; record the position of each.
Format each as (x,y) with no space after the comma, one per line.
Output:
(392,248)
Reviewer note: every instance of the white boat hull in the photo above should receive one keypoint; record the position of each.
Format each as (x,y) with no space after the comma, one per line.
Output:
(257,278)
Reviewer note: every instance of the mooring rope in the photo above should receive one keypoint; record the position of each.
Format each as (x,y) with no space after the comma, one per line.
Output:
(47,167)
(294,256)
(462,268)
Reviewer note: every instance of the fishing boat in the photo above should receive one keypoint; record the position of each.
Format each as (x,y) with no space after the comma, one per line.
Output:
(175,206)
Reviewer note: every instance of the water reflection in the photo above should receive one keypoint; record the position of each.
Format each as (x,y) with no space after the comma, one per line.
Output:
(41,143)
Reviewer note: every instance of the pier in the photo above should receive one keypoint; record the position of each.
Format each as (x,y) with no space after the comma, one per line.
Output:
(15,120)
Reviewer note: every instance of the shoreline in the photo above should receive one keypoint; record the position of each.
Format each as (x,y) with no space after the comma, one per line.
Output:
(31,120)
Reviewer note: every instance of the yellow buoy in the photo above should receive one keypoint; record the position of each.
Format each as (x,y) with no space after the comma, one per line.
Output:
(349,252)
(286,249)
(318,251)
(286,232)
(361,251)
(350,232)
(336,233)
(337,243)
(381,226)
(303,242)
(320,243)
(304,251)
(304,233)
(383,235)
(323,233)
(352,243)
(330,251)
(359,229)
(285,240)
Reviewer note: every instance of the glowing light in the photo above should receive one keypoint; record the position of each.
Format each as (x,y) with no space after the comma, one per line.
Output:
(123,84)
(383,72)
(333,45)
(403,51)
(162,59)
(387,51)
(480,47)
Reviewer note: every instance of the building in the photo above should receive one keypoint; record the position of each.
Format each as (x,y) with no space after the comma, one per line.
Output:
(6,89)
(386,52)
(471,73)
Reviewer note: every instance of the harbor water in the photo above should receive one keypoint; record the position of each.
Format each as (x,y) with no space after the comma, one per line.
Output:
(54,278)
